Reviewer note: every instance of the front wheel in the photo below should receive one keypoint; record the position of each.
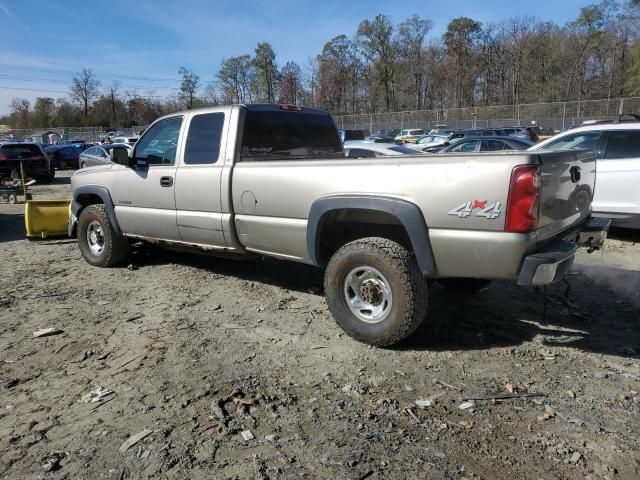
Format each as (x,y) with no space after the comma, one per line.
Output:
(83,165)
(375,291)
(99,243)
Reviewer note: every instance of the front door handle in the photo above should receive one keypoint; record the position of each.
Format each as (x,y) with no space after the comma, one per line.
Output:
(166,181)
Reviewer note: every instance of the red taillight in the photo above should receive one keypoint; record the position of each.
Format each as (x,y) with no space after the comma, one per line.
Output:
(524,199)
(290,108)
(38,157)
(4,157)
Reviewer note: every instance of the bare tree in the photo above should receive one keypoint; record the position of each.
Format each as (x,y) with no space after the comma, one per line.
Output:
(188,86)
(84,88)
(20,109)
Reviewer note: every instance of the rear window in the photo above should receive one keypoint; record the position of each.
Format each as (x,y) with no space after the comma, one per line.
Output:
(20,151)
(576,141)
(623,144)
(281,135)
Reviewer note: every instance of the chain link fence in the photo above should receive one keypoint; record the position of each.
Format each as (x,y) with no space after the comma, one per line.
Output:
(61,134)
(556,116)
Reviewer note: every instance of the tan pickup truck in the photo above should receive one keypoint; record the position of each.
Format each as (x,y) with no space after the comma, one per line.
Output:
(272,180)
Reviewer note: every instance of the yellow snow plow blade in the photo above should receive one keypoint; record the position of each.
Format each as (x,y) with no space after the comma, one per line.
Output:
(46,218)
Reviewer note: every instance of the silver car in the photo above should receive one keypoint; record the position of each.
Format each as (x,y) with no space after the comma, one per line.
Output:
(98,155)
(366,149)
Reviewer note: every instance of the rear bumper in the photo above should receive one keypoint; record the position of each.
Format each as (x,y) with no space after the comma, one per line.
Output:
(555,259)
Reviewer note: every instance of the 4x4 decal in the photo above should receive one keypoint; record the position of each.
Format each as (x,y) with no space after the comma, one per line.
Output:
(490,212)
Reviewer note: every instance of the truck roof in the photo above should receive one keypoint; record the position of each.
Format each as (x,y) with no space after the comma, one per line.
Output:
(253,107)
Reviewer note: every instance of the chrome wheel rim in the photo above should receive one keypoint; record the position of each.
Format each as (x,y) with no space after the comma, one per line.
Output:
(367,293)
(95,237)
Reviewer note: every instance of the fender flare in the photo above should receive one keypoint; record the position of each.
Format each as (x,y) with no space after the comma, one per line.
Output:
(105,196)
(407,213)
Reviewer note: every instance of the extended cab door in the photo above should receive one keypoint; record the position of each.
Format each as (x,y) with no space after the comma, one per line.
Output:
(618,174)
(199,177)
(143,195)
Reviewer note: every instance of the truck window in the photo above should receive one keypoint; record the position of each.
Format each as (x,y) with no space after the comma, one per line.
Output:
(159,143)
(203,139)
(623,144)
(281,135)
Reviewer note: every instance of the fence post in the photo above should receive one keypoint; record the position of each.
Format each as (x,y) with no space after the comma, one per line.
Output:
(564,115)
(371,124)
(402,122)
(621,108)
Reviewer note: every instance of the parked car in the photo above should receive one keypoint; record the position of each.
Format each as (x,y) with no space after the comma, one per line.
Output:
(410,135)
(372,149)
(77,141)
(440,128)
(617,149)
(347,135)
(99,155)
(127,140)
(272,180)
(429,140)
(65,156)
(31,156)
(381,139)
(486,144)
(484,132)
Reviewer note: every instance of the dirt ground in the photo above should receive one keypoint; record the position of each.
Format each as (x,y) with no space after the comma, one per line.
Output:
(197,350)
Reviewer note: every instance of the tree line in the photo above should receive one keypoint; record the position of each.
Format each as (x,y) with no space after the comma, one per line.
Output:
(385,66)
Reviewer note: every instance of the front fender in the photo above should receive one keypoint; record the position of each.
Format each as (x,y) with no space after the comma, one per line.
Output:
(92,191)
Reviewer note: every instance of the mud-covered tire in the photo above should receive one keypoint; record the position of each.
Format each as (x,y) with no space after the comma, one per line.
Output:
(464,286)
(401,274)
(115,248)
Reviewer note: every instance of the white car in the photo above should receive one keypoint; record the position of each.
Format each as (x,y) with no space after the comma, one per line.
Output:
(127,140)
(429,140)
(617,148)
(410,135)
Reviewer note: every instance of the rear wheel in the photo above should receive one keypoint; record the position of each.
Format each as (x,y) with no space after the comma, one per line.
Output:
(376,291)
(83,165)
(464,286)
(99,243)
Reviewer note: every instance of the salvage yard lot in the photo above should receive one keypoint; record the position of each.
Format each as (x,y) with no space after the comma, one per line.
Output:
(200,349)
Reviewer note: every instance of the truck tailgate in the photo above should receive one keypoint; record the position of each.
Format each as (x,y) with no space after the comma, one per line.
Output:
(567,185)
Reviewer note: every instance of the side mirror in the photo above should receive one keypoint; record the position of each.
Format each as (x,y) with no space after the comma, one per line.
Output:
(120,155)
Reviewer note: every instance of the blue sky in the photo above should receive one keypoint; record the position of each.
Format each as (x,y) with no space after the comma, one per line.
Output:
(142,43)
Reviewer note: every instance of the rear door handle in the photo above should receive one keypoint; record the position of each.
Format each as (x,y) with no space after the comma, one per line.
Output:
(166,181)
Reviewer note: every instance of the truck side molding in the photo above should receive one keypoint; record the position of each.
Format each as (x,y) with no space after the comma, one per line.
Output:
(407,213)
(89,191)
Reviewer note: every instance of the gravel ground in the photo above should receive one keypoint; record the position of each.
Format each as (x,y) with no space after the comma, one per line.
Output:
(196,350)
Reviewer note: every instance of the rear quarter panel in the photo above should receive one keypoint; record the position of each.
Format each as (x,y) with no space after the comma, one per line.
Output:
(272,200)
